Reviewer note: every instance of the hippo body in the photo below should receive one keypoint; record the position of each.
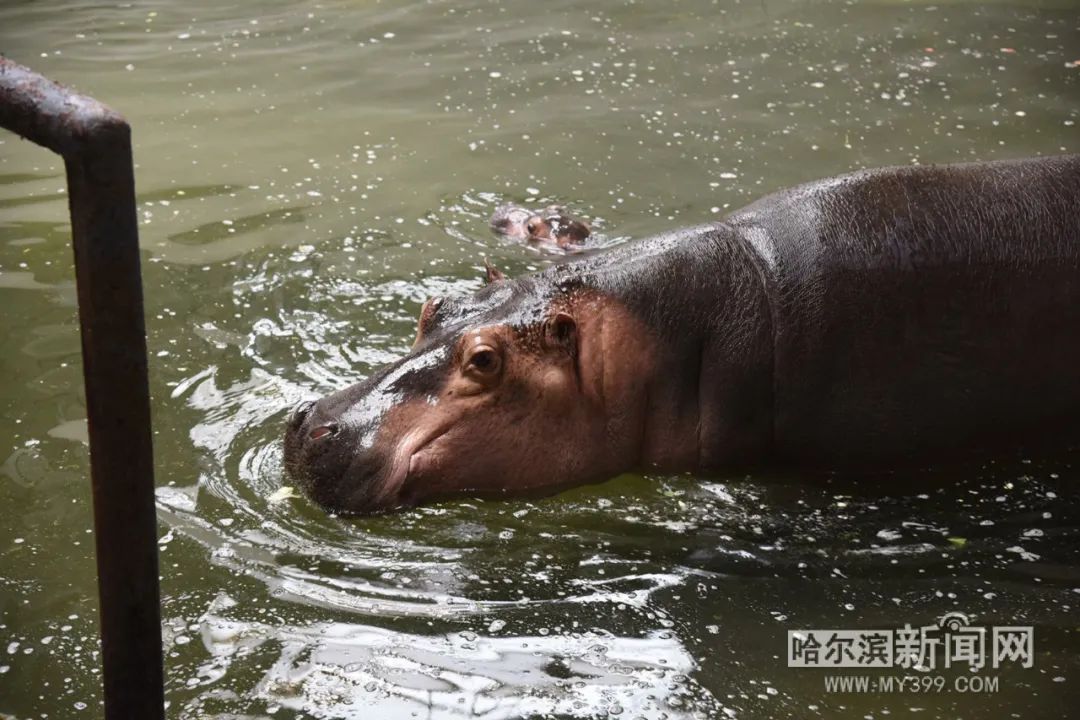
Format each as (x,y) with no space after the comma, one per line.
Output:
(920,309)
(880,317)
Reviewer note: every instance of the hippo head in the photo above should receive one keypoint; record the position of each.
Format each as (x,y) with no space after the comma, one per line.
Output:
(471,410)
(551,224)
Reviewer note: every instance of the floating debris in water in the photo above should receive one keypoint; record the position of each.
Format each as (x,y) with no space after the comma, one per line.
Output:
(285,492)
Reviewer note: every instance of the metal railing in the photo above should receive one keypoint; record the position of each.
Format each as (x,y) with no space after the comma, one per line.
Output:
(95,143)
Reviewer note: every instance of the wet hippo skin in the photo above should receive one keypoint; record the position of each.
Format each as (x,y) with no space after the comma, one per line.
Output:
(886,316)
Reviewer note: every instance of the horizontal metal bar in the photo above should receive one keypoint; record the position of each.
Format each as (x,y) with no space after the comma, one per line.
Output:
(51,115)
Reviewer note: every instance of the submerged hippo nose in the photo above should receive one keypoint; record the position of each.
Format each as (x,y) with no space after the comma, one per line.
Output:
(323,431)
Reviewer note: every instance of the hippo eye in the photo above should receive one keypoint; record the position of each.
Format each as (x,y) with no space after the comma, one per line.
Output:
(483,362)
(532,227)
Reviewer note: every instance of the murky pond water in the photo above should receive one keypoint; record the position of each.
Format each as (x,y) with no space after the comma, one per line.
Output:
(310,172)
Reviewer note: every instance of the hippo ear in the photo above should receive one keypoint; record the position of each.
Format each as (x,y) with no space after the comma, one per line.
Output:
(560,332)
(492,273)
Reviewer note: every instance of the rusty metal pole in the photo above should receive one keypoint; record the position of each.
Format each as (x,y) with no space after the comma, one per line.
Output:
(95,143)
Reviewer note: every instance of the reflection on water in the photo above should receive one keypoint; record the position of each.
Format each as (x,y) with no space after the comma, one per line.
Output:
(309,173)
(337,670)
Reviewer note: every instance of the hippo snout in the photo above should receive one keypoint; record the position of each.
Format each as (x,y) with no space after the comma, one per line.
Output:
(323,455)
(353,450)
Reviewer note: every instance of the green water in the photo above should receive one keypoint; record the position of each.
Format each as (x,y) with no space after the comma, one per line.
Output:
(308,173)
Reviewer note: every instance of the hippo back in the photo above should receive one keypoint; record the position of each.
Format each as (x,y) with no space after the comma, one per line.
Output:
(921,309)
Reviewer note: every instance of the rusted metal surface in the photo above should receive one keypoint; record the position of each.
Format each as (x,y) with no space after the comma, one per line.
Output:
(95,143)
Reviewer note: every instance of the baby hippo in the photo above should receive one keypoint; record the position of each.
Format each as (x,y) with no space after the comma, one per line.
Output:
(550,225)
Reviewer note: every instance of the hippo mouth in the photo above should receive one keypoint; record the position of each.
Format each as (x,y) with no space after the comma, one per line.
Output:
(394,490)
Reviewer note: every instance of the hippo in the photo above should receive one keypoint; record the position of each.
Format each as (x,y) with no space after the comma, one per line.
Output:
(549,226)
(876,319)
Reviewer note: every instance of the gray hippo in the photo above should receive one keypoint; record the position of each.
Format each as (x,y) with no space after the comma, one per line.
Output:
(881,317)
(549,226)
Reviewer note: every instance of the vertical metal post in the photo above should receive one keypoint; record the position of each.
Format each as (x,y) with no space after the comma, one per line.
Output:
(95,143)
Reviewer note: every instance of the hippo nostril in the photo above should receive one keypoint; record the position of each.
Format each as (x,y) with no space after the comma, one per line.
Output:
(323,431)
(300,413)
